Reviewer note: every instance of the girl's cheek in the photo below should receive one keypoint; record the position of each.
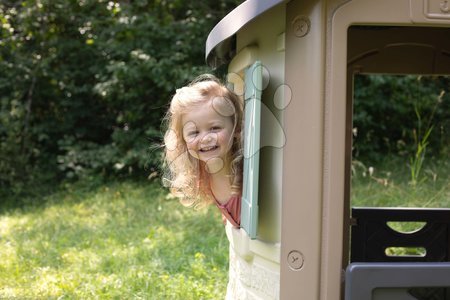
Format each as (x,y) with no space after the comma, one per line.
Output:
(192,143)
(192,149)
(224,138)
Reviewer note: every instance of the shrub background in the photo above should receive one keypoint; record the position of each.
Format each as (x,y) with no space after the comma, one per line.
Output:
(84,85)
(392,113)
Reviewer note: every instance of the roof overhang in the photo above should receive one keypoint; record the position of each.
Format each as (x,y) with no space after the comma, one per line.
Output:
(221,42)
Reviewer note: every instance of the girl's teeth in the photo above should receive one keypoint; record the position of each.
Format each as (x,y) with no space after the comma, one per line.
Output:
(208,149)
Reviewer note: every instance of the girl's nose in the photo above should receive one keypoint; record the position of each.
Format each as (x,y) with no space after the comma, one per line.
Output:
(209,138)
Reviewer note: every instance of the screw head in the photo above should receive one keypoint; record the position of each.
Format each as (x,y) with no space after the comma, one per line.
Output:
(301,26)
(295,260)
(445,6)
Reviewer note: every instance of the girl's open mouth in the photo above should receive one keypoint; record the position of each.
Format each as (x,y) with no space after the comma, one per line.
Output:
(207,149)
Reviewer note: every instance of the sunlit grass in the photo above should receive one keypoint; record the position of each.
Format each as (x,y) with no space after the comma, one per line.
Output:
(129,241)
(119,241)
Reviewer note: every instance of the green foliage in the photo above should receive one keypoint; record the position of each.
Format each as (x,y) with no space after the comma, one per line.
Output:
(385,115)
(85,83)
(115,241)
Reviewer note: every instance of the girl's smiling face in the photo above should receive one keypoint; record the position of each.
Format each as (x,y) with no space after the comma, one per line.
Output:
(208,131)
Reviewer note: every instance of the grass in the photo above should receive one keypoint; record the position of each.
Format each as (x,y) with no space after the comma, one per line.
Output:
(118,241)
(389,185)
(126,240)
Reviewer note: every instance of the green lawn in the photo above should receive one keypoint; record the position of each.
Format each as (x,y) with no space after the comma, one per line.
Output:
(118,241)
(389,185)
(130,241)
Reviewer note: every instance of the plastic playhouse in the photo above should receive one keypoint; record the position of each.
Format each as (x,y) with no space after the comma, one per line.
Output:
(293,63)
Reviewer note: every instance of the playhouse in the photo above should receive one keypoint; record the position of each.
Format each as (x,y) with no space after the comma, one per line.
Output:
(293,63)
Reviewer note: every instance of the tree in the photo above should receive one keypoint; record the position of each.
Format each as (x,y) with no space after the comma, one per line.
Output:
(85,82)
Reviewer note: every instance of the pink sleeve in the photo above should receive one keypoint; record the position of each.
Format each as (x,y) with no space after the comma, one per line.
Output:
(231,211)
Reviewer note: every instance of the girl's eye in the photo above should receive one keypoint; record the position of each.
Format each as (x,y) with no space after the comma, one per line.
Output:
(190,136)
(215,128)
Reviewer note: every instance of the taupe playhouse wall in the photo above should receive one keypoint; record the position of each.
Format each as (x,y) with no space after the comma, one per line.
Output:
(310,51)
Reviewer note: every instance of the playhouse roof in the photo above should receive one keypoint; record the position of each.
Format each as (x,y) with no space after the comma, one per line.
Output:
(221,44)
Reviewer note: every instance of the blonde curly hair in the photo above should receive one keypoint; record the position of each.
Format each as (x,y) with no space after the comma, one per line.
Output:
(185,175)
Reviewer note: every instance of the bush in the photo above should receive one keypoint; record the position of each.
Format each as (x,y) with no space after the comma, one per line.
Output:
(392,112)
(84,83)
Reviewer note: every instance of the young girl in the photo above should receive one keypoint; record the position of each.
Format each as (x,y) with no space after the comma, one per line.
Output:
(203,152)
